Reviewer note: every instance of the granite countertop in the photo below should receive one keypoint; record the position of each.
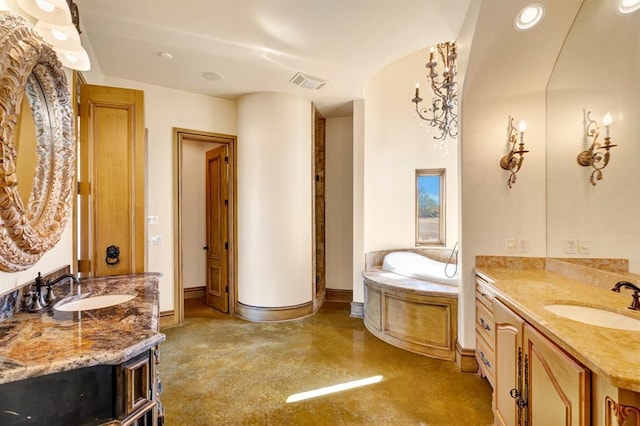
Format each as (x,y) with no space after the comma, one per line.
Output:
(50,341)
(610,353)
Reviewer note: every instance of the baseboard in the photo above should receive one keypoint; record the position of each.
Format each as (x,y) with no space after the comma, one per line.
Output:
(341,296)
(466,359)
(194,292)
(168,319)
(357,310)
(261,314)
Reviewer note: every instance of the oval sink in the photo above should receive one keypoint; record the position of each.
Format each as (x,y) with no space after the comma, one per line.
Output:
(93,302)
(595,316)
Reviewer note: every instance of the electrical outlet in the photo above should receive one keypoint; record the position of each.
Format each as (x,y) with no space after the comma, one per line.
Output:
(152,220)
(523,246)
(510,245)
(584,247)
(154,240)
(570,246)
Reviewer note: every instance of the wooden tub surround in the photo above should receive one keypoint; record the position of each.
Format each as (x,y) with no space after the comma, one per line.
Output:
(415,315)
(87,367)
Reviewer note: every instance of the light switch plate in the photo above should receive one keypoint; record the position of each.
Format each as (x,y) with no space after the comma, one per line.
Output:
(152,220)
(584,247)
(523,246)
(155,240)
(510,245)
(570,246)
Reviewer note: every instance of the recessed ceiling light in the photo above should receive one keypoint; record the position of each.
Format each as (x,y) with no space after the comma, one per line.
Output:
(166,56)
(627,7)
(529,16)
(212,76)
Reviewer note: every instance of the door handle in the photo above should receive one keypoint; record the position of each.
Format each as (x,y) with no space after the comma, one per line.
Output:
(113,255)
(205,248)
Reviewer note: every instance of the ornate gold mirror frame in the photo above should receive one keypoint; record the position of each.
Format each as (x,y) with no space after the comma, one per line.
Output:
(29,228)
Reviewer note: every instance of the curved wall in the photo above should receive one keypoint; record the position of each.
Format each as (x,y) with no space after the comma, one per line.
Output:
(396,145)
(274,200)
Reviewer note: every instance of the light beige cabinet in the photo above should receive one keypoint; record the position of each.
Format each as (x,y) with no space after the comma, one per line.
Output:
(485,330)
(537,383)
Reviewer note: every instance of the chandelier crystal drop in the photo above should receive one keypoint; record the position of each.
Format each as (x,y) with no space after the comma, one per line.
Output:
(442,112)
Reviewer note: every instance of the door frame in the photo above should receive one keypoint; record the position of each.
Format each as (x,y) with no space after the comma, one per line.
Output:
(179,135)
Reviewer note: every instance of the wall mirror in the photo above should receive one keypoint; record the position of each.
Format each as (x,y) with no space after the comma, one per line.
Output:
(37,146)
(597,70)
(430,215)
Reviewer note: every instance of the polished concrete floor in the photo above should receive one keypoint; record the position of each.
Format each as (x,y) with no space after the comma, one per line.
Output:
(218,370)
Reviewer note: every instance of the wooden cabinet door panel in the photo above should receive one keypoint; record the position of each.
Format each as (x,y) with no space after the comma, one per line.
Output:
(559,386)
(112,173)
(508,349)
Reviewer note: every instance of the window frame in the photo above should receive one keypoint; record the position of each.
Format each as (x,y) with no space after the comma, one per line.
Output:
(441,240)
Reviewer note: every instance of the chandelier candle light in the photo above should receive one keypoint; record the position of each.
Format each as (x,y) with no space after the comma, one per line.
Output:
(514,159)
(442,113)
(597,156)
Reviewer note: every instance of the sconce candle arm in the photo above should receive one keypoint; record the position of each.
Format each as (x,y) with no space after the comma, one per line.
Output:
(512,162)
(598,155)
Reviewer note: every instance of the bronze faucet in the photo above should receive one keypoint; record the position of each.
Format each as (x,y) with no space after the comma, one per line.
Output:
(38,298)
(635,303)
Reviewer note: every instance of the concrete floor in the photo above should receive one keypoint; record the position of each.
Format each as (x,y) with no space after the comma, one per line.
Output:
(218,370)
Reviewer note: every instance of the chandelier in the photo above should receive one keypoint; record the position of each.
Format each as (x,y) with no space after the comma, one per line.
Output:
(442,112)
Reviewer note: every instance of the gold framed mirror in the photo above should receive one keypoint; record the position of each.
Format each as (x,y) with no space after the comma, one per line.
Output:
(34,216)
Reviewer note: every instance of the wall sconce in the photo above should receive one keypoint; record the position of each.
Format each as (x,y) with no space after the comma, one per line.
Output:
(514,159)
(597,156)
(441,113)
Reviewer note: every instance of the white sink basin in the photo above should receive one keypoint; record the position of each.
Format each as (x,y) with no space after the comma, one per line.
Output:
(93,302)
(595,316)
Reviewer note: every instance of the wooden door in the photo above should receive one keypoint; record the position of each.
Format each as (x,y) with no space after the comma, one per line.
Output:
(112,181)
(508,361)
(217,291)
(559,386)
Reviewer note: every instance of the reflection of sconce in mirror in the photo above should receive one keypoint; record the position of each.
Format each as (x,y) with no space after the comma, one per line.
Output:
(513,160)
(597,156)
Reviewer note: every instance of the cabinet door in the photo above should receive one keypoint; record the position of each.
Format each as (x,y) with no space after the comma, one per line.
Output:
(559,387)
(508,359)
(112,181)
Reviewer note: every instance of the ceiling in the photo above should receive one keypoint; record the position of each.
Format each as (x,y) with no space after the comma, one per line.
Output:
(259,45)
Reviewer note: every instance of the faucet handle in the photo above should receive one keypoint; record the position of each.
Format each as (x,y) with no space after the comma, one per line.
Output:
(635,303)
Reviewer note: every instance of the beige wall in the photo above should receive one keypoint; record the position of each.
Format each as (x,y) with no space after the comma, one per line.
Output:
(358,199)
(274,200)
(396,145)
(500,81)
(165,109)
(339,202)
(194,212)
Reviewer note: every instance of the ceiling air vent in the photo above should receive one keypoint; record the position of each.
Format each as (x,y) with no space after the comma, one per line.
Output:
(308,81)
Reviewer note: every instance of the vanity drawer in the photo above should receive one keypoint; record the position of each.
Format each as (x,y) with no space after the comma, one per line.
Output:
(485,324)
(484,294)
(486,359)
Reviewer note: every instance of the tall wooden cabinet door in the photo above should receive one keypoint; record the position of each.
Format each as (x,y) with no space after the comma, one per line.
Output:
(508,361)
(559,386)
(112,181)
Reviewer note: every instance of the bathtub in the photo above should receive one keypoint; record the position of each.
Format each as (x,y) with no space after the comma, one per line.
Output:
(410,303)
(414,265)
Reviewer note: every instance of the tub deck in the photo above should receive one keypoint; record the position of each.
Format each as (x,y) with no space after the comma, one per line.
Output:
(415,315)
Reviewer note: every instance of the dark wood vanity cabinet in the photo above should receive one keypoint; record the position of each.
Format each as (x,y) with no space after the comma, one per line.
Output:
(136,400)
(125,394)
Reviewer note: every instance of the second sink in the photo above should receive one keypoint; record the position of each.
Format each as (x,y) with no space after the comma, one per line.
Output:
(595,316)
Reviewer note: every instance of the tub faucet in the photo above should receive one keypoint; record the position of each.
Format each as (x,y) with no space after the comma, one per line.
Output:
(38,298)
(635,303)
